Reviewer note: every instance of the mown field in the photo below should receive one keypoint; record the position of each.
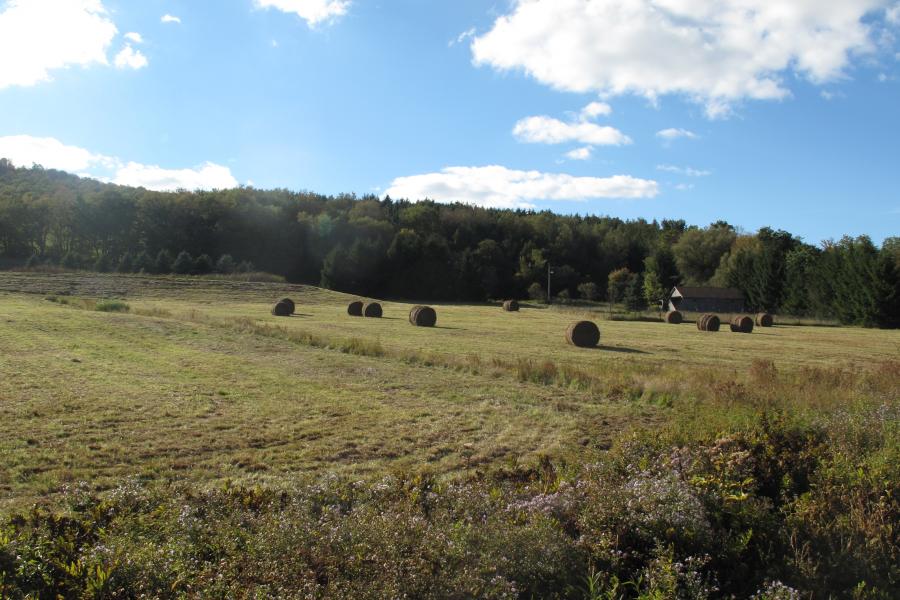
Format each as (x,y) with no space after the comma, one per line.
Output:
(197,385)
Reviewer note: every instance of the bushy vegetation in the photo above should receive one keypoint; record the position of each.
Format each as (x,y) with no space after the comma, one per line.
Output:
(387,248)
(775,508)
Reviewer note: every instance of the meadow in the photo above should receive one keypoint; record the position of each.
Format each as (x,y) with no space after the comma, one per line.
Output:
(183,386)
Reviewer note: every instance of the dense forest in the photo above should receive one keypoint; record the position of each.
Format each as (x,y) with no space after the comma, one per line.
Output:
(426,250)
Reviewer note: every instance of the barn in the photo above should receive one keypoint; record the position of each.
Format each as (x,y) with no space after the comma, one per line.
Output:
(706,299)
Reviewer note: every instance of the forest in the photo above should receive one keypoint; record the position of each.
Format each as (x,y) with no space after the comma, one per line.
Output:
(396,248)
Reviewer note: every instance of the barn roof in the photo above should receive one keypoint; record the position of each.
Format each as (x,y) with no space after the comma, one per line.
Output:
(709,292)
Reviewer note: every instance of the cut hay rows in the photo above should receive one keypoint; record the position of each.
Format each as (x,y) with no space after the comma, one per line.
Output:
(674,317)
(422,316)
(765,320)
(281,309)
(742,324)
(355,308)
(290,303)
(372,309)
(708,322)
(584,334)
(510,306)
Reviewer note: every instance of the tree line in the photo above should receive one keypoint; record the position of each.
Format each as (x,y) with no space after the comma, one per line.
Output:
(426,250)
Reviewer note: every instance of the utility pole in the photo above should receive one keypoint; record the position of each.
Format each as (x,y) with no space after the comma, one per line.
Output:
(549,273)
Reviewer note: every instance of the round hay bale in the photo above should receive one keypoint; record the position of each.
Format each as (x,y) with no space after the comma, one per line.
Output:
(355,308)
(674,317)
(742,324)
(584,334)
(281,309)
(422,316)
(765,320)
(372,309)
(290,304)
(511,306)
(708,322)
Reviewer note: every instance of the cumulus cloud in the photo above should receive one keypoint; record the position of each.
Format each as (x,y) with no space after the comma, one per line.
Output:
(312,11)
(167,18)
(715,53)
(129,58)
(673,133)
(596,109)
(39,36)
(498,187)
(206,176)
(547,130)
(49,152)
(582,153)
(135,37)
(689,171)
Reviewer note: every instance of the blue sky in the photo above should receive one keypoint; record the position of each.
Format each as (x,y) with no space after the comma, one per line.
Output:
(747,111)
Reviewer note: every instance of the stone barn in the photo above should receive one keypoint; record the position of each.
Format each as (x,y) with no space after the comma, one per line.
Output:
(706,300)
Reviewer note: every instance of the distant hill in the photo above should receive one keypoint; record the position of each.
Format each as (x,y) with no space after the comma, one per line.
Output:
(387,248)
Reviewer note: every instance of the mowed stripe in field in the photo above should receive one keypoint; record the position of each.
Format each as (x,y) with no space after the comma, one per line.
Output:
(98,396)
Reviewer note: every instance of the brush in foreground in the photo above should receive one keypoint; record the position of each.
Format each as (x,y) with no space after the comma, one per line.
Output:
(742,324)
(372,309)
(290,304)
(282,309)
(422,316)
(674,317)
(765,320)
(584,334)
(510,306)
(355,308)
(708,322)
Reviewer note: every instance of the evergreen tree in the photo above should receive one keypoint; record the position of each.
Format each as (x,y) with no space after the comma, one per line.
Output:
(142,263)
(126,264)
(203,265)
(634,293)
(163,263)
(183,264)
(225,264)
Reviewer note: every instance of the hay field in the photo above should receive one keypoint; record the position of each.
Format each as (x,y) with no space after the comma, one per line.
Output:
(199,382)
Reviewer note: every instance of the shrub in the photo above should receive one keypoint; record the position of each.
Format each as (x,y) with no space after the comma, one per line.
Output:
(536,292)
(589,291)
(111,306)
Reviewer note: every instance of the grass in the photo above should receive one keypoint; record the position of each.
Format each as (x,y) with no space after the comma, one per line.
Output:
(198,382)
(185,442)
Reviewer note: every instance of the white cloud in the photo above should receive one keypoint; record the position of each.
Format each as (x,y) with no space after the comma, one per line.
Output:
(39,36)
(135,37)
(582,153)
(547,130)
(684,187)
(461,37)
(206,176)
(167,18)
(892,15)
(596,109)
(498,187)
(689,171)
(715,53)
(312,11)
(673,133)
(130,58)
(25,150)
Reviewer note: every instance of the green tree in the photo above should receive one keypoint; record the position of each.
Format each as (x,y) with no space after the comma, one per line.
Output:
(589,291)
(183,264)
(617,283)
(633,295)
(225,264)
(699,251)
(163,262)
(203,264)
(125,264)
